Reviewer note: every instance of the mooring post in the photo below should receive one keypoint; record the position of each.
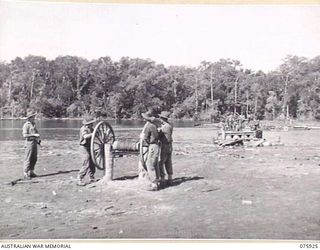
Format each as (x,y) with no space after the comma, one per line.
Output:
(108,162)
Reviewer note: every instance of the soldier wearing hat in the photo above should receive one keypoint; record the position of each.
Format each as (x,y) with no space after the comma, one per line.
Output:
(88,166)
(32,136)
(165,137)
(150,139)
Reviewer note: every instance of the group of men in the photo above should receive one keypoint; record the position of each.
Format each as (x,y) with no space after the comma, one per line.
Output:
(156,139)
(158,160)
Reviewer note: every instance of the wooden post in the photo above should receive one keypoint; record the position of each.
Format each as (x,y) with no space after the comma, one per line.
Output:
(108,162)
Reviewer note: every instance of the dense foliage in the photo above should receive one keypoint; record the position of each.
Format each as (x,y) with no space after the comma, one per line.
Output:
(69,86)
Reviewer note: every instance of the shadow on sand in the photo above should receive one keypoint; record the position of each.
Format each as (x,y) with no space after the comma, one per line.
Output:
(178,181)
(36,180)
(128,177)
(175,182)
(59,172)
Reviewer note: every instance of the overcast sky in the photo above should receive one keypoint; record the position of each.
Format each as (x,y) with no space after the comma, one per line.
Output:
(259,36)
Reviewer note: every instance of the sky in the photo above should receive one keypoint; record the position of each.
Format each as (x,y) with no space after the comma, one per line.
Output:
(260,37)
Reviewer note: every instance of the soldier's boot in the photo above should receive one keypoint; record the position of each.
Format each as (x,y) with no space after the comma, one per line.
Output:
(142,175)
(169,182)
(153,187)
(81,182)
(26,176)
(92,179)
(32,174)
(162,183)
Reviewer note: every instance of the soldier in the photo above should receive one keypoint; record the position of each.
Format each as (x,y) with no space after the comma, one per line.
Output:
(150,139)
(165,136)
(85,139)
(30,133)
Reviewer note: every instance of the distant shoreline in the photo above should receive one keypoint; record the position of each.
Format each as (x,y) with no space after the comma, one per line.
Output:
(201,123)
(80,119)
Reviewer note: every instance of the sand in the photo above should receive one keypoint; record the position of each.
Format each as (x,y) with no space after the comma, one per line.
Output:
(218,193)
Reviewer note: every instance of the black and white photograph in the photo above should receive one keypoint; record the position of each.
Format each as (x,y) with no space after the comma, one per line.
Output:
(159,121)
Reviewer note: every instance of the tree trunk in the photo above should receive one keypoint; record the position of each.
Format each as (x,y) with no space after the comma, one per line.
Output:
(247,108)
(235,96)
(255,107)
(32,83)
(285,97)
(197,103)
(211,81)
(273,112)
(9,92)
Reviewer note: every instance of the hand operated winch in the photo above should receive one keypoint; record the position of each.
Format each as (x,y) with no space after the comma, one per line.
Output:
(104,147)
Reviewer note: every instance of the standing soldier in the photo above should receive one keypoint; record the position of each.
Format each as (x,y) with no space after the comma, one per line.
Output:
(30,133)
(150,139)
(165,136)
(87,163)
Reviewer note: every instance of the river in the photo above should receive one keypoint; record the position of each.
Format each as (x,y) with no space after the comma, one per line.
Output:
(68,130)
(63,129)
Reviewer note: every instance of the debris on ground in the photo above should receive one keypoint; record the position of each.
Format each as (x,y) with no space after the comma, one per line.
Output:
(231,142)
(246,202)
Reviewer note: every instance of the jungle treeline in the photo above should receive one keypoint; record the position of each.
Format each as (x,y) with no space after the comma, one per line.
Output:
(71,86)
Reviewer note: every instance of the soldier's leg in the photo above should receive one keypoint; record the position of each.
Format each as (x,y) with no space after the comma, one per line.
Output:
(27,159)
(142,171)
(33,160)
(162,171)
(163,158)
(85,160)
(92,169)
(152,165)
(168,165)
(169,168)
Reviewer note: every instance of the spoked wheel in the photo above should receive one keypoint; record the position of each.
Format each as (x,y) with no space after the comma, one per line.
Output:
(143,153)
(102,133)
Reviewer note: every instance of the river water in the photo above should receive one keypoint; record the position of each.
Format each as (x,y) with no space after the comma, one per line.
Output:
(60,129)
(68,130)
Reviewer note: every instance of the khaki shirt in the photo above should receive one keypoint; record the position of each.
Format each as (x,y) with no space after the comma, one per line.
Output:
(85,141)
(28,129)
(166,130)
(150,133)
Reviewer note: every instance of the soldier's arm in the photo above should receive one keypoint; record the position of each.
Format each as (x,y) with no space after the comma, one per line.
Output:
(86,134)
(37,132)
(145,135)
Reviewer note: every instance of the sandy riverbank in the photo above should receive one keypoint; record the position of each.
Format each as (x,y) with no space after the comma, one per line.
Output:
(230,193)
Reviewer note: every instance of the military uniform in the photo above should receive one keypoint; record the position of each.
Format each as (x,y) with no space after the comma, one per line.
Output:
(165,137)
(142,169)
(84,150)
(150,138)
(31,145)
